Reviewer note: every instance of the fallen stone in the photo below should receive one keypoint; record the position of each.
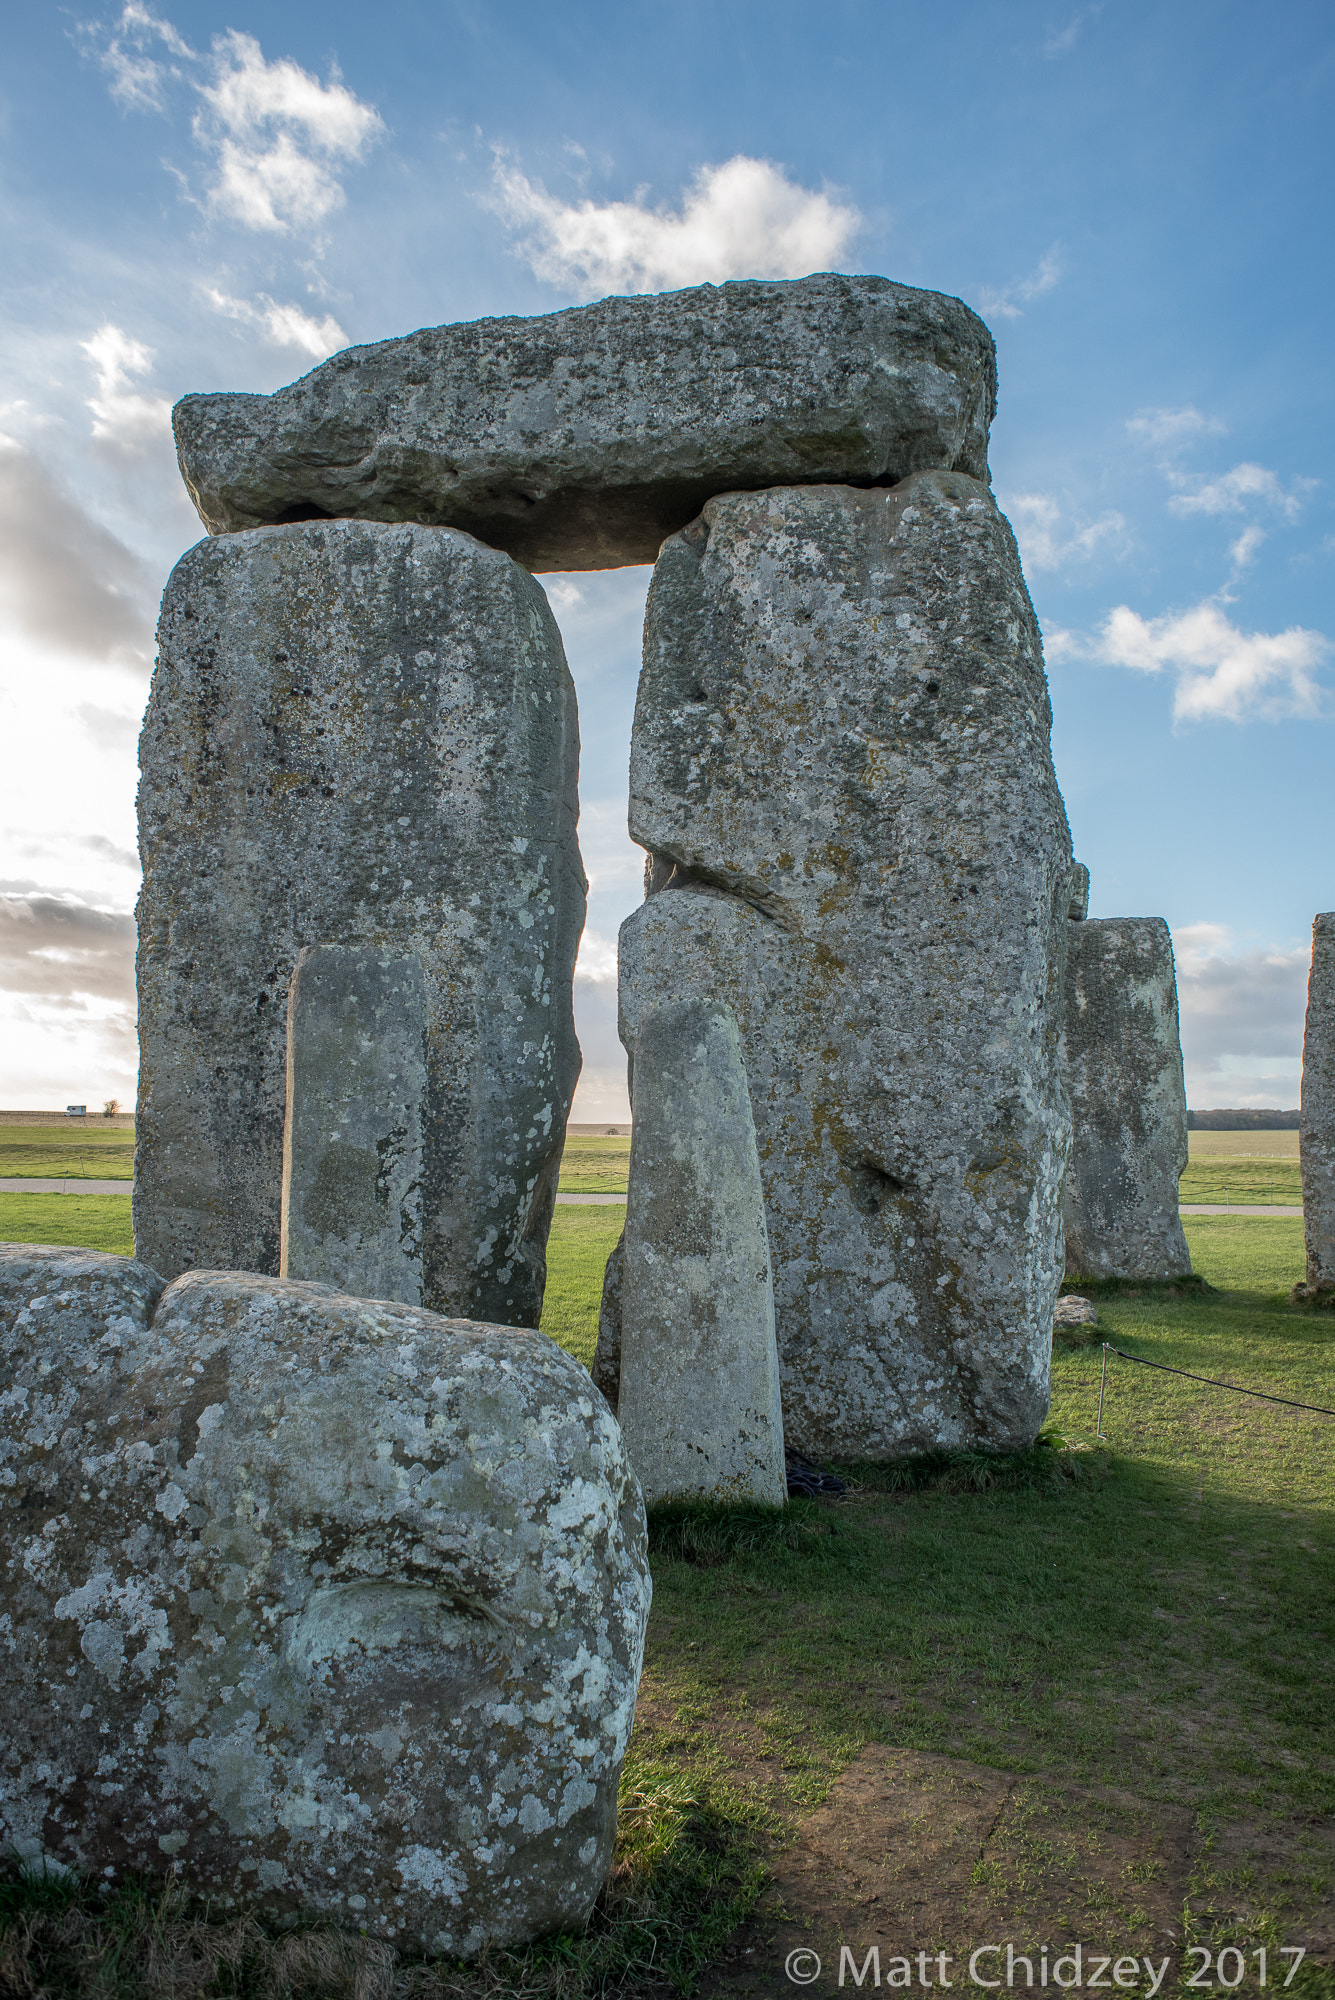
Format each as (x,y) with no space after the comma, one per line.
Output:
(1316,1143)
(1122,1062)
(699,1379)
(1075,1311)
(841,768)
(579,439)
(336,1605)
(82,1303)
(353,1161)
(363,735)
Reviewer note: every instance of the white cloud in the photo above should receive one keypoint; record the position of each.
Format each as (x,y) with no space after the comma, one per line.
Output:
(1232,492)
(124,417)
(1011,299)
(1170,428)
(1062,40)
(281,326)
(277,132)
(1060,643)
(1238,1006)
(66,580)
(1222,671)
(597,960)
(1243,551)
(64,951)
(1048,542)
(744,219)
(138,80)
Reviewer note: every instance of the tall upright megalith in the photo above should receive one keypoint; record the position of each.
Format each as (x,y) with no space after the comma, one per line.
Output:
(360,734)
(352,1134)
(1122,1063)
(841,769)
(698,1399)
(1317,1133)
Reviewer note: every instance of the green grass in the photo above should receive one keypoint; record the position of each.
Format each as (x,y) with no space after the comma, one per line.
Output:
(1242,1145)
(578,1248)
(1246,1182)
(595,1164)
(85,1221)
(92,1152)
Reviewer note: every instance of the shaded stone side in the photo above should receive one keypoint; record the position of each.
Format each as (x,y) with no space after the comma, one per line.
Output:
(841,768)
(1317,1131)
(353,1164)
(579,439)
(699,1376)
(1122,1064)
(337,1606)
(362,735)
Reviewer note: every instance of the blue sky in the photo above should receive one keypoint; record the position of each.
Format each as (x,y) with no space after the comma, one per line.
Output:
(1135,197)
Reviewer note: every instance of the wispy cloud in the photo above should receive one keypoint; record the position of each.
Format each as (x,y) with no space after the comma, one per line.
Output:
(1011,299)
(1061,41)
(743,219)
(1222,672)
(65,580)
(124,417)
(1169,429)
(63,950)
(1235,491)
(281,326)
(275,136)
(1049,541)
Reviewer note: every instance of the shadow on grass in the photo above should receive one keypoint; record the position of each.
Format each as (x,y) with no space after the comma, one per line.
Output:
(686,1873)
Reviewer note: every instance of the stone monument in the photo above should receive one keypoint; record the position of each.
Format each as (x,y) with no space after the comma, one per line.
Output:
(1122,1065)
(1317,1132)
(334,1604)
(699,1376)
(359,734)
(841,770)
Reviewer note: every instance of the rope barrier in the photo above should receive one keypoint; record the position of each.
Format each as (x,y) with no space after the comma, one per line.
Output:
(1317,1409)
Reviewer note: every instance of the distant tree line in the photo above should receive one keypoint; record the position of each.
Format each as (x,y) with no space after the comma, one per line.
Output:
(1242,1121)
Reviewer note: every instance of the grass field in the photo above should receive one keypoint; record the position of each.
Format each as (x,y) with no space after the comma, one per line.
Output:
(1083,1693)
(1243,1145)
(93,1151)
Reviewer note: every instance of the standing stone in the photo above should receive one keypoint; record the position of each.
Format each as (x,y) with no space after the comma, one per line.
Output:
(364,735)
(1078,908)
(1122,1063)
(841,768)
(1317,1133)
(579,439)
(699,1384)
(334,1605)
(352,1136)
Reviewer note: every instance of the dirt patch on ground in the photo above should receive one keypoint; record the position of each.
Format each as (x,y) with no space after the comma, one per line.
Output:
(919,1854)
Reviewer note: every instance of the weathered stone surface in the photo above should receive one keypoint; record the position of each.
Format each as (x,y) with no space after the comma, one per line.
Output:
(1079,903)
(353,1162)
(336,1604)
(1122,1063)
(82,1303)
(841,767)
(579,439)
(1075,1311)
(699,1379)
(1317,1132)
(365,735)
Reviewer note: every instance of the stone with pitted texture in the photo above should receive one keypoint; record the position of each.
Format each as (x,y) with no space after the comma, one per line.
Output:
(352,1136)
(1079,903)
(698,1396)
(1122,1063)
(1075,1311)
(841,768)
(579,439)
(359,735)
(336,1605)
(1317,1131)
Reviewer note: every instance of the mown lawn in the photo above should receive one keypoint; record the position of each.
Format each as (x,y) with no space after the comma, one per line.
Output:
(1143,1627)
(92,1151)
